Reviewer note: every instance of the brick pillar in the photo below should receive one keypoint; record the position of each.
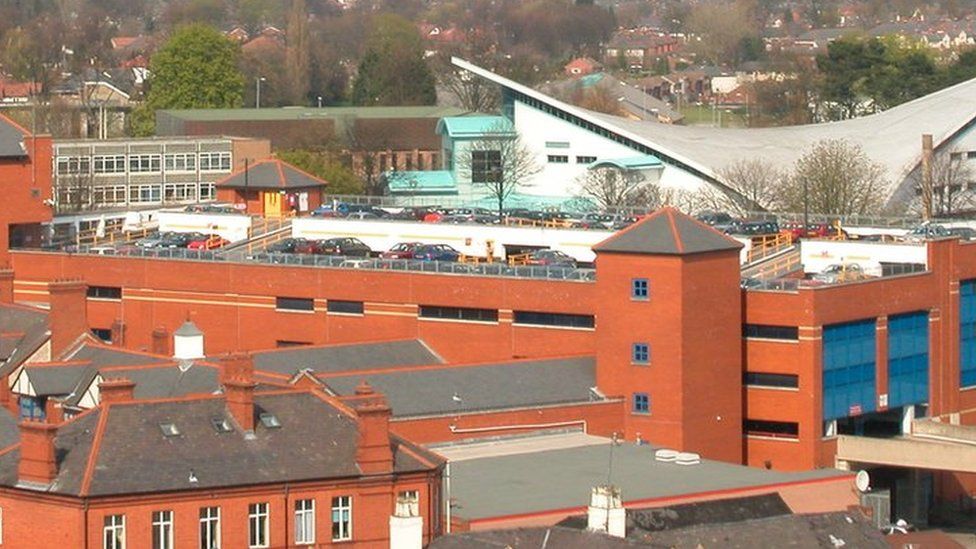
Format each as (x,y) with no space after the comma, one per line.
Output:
(6,285)
(54,411)
(160,341)
(881,363)
(118,333)
(114,391)
(38,463)
(373,453)
(69,313)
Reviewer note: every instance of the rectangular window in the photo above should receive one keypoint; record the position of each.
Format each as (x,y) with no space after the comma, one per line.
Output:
(114,532)
(305,521)
(347,307)
(486,166)
(971,155)
(342,518)
(642,403)
(639,288)
(967,333)
(114,163)
(31,408)
(105,292)
(144,163)
(557,159)
(73,165)
(908,359)
(775,429)
(781,381)
(459,313)
(179,192)
(257,518)
(640,353)
(162,530)
(294,304)
(112,194)
(180,162)
(285,343)
(554,319)
(210,528)
(849,366)
(762,331)
(146,193)
(557,144)
(585,159)
(208,191)
(215,162)
(104,334)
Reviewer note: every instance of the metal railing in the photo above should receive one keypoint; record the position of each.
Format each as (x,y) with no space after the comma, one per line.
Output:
(794,284)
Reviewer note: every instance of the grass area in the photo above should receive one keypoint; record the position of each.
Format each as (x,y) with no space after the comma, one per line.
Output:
(704,115)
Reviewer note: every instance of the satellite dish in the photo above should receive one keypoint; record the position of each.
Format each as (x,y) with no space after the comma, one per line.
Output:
(863,481)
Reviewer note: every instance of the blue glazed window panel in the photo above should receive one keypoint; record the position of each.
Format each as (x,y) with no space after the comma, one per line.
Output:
(639,288)
(640,353)
(642,403)
(967,333)
(849,362)
(908,359)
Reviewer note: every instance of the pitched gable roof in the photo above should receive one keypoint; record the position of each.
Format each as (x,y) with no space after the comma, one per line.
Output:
(11,139)
(667,232)
(271,174)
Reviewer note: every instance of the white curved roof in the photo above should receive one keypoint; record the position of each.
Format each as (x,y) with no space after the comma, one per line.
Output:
(892,138)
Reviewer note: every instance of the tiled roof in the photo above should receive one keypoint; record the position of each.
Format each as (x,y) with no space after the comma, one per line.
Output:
(531,538)
(271,174)
(669,232)
(26,331)
(345,358)
(11,139)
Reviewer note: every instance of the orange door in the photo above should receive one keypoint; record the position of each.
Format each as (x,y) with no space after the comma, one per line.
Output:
(272,204)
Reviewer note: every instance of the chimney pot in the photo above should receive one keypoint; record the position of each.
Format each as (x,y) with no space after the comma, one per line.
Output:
(6,285)
(38,463)
(373,453)
(160,341)
(237,377)
(116,390)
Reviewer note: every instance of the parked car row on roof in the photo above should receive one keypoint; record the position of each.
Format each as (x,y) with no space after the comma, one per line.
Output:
(192,241)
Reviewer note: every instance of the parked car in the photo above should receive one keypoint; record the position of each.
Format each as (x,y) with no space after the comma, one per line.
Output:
(965,233)
(285,245)
(331,210)
(403,250)
(624,222)
(209,242)
(180,240)
(720,220)
(758,227)
(344,246)
(152,241)
(596,221)
(842,272)
(926,231)
(363,216)
(812,230)
(436,252)
(308,246)
(552,258)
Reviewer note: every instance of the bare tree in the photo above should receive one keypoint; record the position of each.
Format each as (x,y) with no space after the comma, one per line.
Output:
(836,177)
(499,162)
(472,94)
(952,176)
(755,185)
(615,188)
(74,190)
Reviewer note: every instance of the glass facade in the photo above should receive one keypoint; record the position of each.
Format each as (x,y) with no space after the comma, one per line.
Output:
(908,359)
(849,362)
(967,333)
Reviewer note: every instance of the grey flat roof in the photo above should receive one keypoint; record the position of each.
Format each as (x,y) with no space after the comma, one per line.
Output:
(562,479)
(427,391)
(346,358)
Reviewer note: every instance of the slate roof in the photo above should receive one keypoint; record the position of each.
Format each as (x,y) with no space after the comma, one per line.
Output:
(102,356)
(161,380)
(531,538)
(9,432)
(26,331)
(669,232)
(59,380)
(11,139)
(315,441)
(425,391)
(271,174)
(345,358)
(188,329)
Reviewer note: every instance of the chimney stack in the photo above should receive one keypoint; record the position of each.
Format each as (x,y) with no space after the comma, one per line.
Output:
(606,514)
(118,333)
(373,453)
(54,411)
(406,525)
(113,391)
(160,341)
(69,314)
(188,342)
(6,285)
(237,377)
(927,183)
(38,463)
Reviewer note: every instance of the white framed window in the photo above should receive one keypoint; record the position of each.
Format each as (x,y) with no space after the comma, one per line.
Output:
(257,515)
(210,528)
(179,192)
(162,530)
(111,163)
(215,162)
(113,532)
(342,518)
(208,191)
(305,521)
(73,165)
(109,194)
(144,163)
(145,193)
(180,162)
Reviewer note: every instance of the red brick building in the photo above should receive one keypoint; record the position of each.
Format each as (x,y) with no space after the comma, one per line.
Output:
(25,165)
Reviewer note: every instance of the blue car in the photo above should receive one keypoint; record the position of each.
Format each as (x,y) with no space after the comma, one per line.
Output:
(435,252)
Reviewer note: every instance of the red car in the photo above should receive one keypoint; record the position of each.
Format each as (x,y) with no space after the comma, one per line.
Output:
(208,242)
(403,250)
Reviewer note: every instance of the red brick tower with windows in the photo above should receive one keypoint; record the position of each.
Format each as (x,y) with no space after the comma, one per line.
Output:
(25,169)
(668,333)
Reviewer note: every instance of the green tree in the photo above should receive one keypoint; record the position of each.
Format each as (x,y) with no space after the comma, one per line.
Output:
(197,68)
(296,57)
(393,70)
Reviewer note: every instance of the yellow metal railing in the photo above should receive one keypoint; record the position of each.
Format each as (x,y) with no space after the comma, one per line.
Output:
(766,245)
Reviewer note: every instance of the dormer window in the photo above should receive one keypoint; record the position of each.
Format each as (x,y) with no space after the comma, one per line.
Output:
(270,421)
(169,429)
(221,425)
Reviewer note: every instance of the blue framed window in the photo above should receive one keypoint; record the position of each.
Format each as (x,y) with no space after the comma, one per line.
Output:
(908,359)
(31,408)
(639,288)
(849,363)
(967,333)
(642,403)
(640,353)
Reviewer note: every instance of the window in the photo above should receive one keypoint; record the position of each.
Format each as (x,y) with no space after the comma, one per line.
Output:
(640,353)
(639,288)
(210,528)
(105,292)
(782,381)
(144,163)
(270,421)
(104,334)
(114,163)
(971,155)
(112,194)
(284,343)
(554,319)
(342,518)
(486,166)
(776,429)
(113,532)
(162,530)
(31,408)
(215,162)
(585,159)
(967,333)
(257,515)
(557,159)
(169,429)
(459,313)
(208,191)
(849,356)
(346,307)
(642,403)
(305,521)
(294,304)
(908,359)
(73,165)
(145,193)
(557,144)
(410,499)
(179,192)
(761,331)
(180,162)
(221,425)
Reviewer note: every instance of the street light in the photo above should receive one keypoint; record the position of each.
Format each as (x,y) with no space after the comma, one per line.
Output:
(320,101)
(257,94)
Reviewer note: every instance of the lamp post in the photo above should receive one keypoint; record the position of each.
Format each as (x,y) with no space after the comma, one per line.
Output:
(257,93)
(320,101)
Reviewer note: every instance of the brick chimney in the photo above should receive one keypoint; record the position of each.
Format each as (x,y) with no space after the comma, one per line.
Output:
(38,463)
(118,332)
(69,313)
(373,453)
(116,390)
(54,411)
(6,285)
(160,341)
(237,377)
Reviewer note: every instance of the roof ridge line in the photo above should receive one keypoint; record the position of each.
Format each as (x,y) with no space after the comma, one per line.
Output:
(94,450)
